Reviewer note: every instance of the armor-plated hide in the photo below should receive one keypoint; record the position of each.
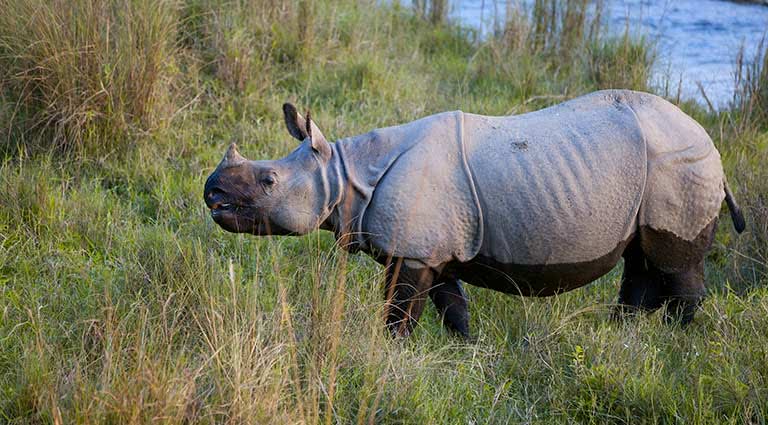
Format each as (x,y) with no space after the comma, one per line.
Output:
(564,185)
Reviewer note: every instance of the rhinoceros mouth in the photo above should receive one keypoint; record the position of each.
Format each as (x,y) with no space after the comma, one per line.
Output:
(233,218)
(222,208)
(238,218)
(227,209)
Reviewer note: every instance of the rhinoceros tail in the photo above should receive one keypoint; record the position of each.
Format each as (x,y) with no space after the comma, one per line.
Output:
(736,215)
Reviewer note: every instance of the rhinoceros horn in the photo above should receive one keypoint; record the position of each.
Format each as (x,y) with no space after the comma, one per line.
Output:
(232,157)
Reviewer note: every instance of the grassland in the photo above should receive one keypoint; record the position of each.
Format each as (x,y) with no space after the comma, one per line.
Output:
(122,302)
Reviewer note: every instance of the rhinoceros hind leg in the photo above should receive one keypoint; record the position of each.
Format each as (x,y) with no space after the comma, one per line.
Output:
(682,264)
(641,284)
(683,293)
(451,302)
(406,291)
(673,254)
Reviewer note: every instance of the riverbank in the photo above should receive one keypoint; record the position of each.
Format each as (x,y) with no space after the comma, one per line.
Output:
(122,302)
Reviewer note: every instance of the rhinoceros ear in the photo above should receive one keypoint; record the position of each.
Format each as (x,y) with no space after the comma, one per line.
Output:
(303,129)
(294,122)
(319,144)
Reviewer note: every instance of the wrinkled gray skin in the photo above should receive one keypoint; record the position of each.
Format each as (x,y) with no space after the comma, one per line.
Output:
(534,204)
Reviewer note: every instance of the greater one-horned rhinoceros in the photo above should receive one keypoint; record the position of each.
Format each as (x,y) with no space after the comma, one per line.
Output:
(534,204)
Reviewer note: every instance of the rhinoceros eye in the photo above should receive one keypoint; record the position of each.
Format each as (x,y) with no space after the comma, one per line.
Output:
(268,180)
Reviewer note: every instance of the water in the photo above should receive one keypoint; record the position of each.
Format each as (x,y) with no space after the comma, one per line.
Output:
(697,40)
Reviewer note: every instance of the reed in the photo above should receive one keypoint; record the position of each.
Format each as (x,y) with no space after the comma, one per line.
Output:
(750,99)
(434,11)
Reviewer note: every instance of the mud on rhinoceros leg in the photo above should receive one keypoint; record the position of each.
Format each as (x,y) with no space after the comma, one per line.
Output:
(683,293)
(682,263)
(406,291)
(451,302)
(641,284)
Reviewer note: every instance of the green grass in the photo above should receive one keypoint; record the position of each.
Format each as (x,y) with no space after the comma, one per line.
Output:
(122,302)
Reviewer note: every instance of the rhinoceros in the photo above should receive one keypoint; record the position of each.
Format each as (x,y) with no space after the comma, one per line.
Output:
(533,204)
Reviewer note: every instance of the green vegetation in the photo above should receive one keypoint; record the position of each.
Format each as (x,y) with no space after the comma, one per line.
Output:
(122,302)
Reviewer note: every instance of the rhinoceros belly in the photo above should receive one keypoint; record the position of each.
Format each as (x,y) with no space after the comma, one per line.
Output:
(559,191)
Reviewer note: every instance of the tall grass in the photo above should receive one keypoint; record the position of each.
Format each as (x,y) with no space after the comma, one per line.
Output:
(744,144)
(567,41)
(435,11)
(560,26)
(122,302)
(239,38)
(84,71)
(621,62)
(751,92)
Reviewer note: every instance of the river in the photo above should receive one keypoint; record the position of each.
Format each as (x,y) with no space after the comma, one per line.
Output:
(697,40)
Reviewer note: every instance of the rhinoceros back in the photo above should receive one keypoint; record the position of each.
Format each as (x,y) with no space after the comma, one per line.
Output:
(561,185)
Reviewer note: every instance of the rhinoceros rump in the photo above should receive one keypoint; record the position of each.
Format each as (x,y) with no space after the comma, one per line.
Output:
(534,204)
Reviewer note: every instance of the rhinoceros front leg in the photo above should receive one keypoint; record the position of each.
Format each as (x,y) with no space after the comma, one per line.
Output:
(451,302)
(406,291)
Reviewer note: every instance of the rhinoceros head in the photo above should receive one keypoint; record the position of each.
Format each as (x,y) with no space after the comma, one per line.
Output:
(288,196)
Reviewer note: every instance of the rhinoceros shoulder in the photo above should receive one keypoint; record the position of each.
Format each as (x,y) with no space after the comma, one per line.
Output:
(425,205)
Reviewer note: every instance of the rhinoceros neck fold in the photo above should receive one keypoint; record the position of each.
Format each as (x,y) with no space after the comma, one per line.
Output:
(358,163)
(399,181)
(352,193)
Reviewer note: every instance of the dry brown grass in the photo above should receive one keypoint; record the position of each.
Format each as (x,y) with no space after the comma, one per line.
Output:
(86,71)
